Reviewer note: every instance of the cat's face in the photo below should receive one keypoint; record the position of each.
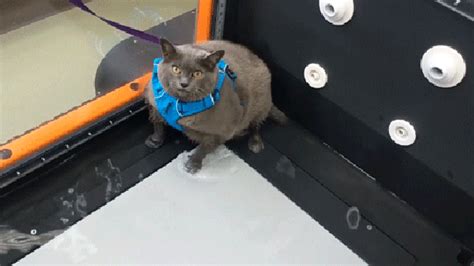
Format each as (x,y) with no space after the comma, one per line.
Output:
(188,73)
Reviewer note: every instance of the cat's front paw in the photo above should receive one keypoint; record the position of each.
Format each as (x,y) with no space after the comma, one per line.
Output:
(153,142)
(192,166)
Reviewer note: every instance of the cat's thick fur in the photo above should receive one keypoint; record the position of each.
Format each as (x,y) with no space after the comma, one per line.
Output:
(238,112)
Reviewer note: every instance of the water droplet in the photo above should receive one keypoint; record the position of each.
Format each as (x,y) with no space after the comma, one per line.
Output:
(33,231)
(285,166)
(70,191)
(353,218)
(5,154)
(369,227)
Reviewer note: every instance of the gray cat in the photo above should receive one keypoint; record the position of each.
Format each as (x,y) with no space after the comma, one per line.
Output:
(189,73)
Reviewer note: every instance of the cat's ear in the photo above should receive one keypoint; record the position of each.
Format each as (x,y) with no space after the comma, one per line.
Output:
(167,48)
(211,60)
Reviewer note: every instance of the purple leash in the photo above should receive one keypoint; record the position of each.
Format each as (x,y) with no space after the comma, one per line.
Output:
(138,33)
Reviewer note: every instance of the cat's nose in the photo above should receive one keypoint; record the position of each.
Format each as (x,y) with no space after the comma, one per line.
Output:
(184,84)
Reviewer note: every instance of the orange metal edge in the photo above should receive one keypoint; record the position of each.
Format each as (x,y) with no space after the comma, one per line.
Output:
(204,20)
(64,125)
(71,121)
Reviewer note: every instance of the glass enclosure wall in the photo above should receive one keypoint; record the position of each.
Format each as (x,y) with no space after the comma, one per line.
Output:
(50,52)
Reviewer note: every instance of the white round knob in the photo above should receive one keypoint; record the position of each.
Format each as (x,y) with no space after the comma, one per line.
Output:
(402,132)
(337,12)
(315,76)
(443,66)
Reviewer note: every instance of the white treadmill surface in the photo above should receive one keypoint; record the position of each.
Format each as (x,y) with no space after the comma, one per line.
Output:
(228,213)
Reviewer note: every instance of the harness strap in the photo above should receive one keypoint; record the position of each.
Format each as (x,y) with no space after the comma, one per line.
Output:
(172,109)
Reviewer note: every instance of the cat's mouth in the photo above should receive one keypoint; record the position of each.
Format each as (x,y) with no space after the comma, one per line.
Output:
(183,95)
(187,95)
(182,92)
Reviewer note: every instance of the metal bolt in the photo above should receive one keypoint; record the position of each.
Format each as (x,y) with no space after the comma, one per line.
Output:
(5,154)
(134,86)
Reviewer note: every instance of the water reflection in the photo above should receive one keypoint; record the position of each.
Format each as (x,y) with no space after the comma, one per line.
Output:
(72,243)
(353,218)
(11,239)
(286,167)
(113,176)
(72,205)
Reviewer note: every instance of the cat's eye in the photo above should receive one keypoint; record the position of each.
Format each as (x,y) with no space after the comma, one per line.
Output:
(176,70)
(197,74)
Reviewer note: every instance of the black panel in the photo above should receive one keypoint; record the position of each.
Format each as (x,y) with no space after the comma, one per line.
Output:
(354,187)
(374,78)
(463,7)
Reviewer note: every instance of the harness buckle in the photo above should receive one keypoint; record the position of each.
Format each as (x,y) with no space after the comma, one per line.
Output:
(230,73)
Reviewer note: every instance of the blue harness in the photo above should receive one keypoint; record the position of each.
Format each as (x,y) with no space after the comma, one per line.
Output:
(172,109)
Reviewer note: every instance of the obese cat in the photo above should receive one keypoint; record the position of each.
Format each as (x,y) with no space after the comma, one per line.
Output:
(212,92)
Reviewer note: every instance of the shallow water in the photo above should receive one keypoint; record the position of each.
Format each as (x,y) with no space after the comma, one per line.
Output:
(13,240)
(216,166)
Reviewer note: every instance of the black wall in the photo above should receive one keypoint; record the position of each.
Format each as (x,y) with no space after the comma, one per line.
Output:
(373,64)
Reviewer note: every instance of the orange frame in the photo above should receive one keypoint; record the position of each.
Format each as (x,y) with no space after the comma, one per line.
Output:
(62,126)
